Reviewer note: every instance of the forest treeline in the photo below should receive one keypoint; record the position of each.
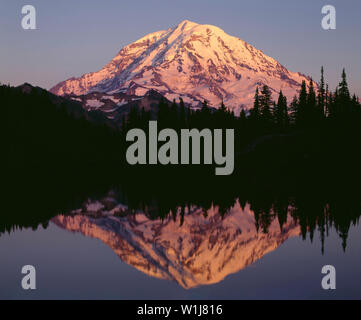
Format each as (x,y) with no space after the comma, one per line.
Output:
(315,210)
(315,107)
(318,131)
(44,134)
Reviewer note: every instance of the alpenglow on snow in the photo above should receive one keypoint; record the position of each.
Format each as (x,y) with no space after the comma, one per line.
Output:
(192,61)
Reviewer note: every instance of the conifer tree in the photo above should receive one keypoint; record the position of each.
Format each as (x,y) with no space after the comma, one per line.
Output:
(327,101)
(301,112)
(255,112)
(286,119)
(343,101)
(343,91)
(280,112)
(311,104)
(293,110)
(265,105)
(321,95)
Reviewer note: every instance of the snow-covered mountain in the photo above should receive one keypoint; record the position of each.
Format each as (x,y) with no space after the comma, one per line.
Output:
(192,61)
(201,250)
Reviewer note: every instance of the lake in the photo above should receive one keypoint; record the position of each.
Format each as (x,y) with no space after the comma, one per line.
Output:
(112,247)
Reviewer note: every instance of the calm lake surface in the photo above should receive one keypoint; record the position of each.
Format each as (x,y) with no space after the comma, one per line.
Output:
(105,250)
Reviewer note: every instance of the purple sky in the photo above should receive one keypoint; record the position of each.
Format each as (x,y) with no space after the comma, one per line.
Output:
(77,37)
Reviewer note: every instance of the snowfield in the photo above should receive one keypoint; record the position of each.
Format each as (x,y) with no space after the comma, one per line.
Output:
(192,61)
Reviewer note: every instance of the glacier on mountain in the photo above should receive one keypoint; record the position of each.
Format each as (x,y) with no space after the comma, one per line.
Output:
(193,61)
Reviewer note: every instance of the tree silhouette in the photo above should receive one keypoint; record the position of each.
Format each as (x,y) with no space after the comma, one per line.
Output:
(280,112)
(265,107)
(301,112)
(321,98)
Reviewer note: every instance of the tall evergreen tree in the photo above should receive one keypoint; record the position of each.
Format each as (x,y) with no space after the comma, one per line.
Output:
(311,104)
(293,110)
(343,101)
(265,106)
(286,119)
(327,101)
(321,95)
(343,90)
(280,112)
(301,112)
(255,111)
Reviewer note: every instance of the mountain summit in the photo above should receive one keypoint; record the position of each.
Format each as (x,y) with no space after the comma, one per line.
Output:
(192,61)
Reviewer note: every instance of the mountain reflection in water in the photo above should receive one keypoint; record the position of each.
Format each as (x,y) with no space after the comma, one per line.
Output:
(191,245)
